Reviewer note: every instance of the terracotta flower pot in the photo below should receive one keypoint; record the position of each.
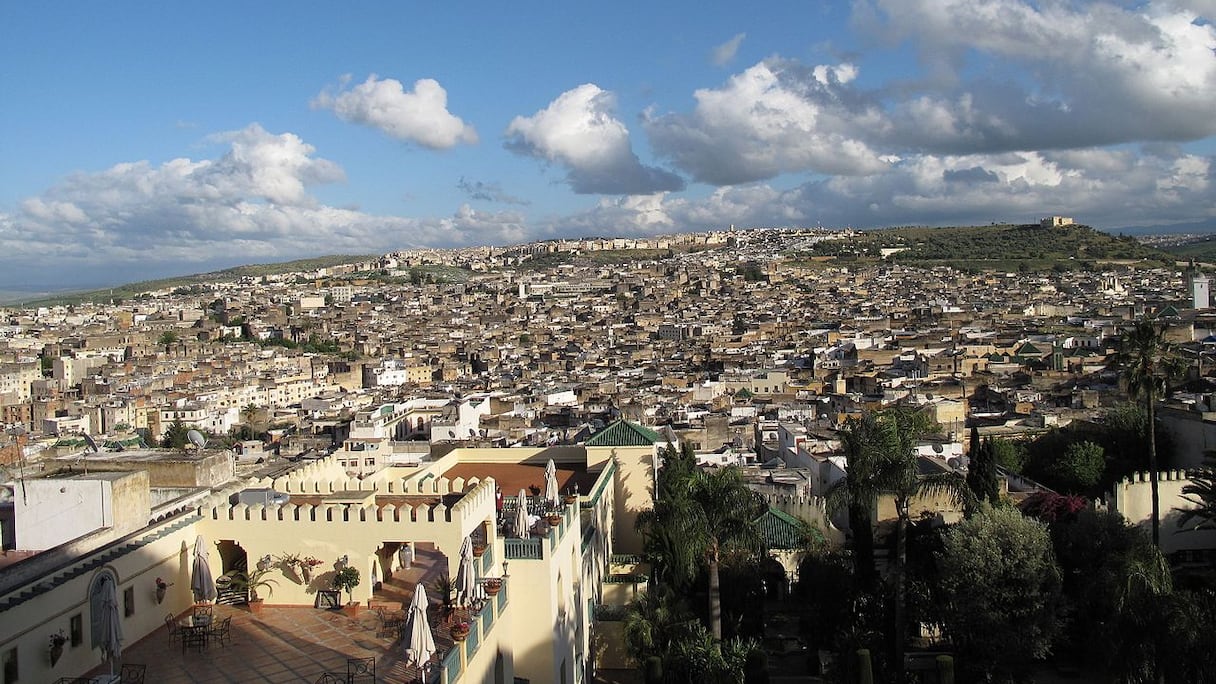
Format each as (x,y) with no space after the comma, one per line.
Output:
(569,499)
(56,653)
(460,633)
(479,550)
(554,519)
(255,606)
(352,609)
(493,589)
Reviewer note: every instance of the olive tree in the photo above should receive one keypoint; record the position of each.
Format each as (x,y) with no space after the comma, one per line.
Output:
(1001,585)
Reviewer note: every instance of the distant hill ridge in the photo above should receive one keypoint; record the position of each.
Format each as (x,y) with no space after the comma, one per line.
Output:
(1000,243)
(997,246)
(226,275)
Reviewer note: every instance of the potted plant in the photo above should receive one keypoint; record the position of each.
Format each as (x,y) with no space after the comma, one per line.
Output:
(307,565)
(460,630)
(346,579)
(554,518)
(445,588)
(252,581)
(161,587)
(479,549)
(571,496)
(291,562)
(57,642)
(492,585)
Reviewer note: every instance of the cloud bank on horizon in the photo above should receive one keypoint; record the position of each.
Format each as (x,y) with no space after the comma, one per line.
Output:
(1003,110)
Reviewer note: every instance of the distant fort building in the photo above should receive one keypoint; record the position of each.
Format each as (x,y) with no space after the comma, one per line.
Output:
(1056,221)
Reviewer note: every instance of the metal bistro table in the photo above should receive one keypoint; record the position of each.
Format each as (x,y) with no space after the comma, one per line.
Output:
(194,631)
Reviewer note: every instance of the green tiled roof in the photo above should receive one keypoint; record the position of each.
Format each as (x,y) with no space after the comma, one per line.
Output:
(780,530)
(623,433)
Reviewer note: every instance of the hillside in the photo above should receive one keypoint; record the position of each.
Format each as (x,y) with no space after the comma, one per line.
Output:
(1202,249)
(229,274)
(996,247)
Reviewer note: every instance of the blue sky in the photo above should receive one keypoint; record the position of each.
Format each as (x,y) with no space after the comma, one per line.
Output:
(144,139)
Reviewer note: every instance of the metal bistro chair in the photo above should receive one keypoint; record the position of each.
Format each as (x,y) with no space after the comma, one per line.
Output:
(221,631)
(391,623)
(360,670)
(331,678)
(132,673)
(172,628)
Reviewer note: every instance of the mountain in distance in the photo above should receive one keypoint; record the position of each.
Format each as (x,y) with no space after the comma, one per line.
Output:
(992,247)
(129,290)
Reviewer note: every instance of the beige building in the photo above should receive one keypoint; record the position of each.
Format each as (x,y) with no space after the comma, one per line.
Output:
(539,627)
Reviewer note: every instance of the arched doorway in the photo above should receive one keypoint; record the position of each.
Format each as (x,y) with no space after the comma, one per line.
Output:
(233,559)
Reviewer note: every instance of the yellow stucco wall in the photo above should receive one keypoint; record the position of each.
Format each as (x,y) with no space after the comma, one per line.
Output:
(27,627)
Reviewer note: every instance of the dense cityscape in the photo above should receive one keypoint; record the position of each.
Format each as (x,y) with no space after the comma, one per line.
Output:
(830,450)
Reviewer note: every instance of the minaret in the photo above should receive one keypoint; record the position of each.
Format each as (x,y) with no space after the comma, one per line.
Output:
(1200,286)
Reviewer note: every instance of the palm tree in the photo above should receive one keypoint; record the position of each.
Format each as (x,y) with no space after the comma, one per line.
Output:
(723,517)
(1201,491)
(653,621)
(899,473)
(1147,361)
(886,444)
(860,439)
(697,517)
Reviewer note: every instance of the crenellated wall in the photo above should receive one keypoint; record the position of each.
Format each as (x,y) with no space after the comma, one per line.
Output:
(1132,498)
(812,509)
(331,530)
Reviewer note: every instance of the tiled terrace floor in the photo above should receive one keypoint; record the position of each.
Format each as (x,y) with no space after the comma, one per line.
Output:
(290,643)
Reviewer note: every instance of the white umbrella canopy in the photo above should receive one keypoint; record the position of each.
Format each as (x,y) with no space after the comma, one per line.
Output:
(201,581)
(552,495)
(521,515)
(420,643)
(466,579)
(110,624)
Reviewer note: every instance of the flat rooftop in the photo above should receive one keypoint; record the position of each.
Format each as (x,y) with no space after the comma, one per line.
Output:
(512,477)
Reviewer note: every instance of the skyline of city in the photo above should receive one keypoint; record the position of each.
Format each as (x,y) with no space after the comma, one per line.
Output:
(183,140)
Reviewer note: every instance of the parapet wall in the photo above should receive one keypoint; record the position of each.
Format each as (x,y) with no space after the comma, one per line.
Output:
(1132,498)
(812,509)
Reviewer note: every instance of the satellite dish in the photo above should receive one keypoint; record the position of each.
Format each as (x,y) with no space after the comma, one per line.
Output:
(88,439)
(197,439)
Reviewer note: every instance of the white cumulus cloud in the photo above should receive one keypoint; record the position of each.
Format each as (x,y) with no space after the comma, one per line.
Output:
(579,132)
(775,117)
(419,116)
(251,203)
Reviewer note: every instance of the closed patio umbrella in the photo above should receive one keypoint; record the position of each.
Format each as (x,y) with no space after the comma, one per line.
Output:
(110,623)
(552,495)
(201,581)
(419,642)
(466,579)
(521,515)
